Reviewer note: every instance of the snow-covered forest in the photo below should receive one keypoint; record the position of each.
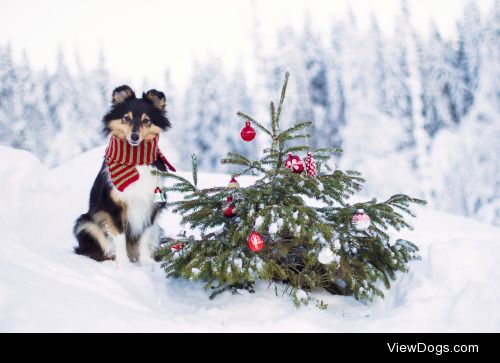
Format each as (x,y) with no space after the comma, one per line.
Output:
(415,111)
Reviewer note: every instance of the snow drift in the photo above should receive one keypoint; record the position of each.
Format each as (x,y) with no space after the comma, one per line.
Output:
(45,287)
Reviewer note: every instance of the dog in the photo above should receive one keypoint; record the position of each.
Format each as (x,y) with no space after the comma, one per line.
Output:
(122,218)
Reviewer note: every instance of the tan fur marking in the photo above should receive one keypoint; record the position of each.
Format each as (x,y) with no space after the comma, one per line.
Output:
(160,103)
(120,129)
(117,199)
(105,222)
(95,231)
(151,132)
(119,97)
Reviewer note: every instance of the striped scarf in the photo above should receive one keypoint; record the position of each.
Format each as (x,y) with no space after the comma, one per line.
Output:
(121,158)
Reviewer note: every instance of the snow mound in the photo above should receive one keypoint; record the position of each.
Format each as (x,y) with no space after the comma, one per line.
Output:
(45,287)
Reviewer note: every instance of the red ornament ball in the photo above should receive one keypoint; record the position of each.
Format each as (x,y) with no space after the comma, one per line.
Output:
(255,242)
(248,132)
(310,165)
(178,246)
(229,209)
(294,163)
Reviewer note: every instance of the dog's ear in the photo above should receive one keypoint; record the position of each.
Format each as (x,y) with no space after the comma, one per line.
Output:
(122,94)
(157,98)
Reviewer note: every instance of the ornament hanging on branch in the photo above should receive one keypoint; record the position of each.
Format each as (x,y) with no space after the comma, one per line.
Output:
(255,242)
(233,183)
(228,208)
(177,247)
(361,221)
(247,133)
(294,163)
(159,195)
(310,165)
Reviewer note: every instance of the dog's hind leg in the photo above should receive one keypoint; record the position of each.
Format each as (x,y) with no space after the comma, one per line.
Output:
(132,247)
(120,246)
(149,240)
(92,240)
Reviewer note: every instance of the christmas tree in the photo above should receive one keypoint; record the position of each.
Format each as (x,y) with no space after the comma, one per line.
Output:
(293,226)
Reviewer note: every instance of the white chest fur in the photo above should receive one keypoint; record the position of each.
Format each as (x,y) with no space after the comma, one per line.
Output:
(139,199)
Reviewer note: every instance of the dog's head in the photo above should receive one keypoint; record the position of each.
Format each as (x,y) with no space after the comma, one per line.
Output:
(136,119)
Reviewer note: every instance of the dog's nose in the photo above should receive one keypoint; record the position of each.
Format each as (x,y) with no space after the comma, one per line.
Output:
(134,137)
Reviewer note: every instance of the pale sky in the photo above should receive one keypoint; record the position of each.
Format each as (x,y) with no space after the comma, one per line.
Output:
(143,38)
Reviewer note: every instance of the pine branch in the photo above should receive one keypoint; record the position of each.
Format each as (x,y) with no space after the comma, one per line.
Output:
(335,150)
(177,177)
(282,98)
(194,167)
(294,129)
(295,137)
(296,149)
(256,123)
(274,121)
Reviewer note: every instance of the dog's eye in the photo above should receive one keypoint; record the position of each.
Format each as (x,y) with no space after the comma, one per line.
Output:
(126,118)
(146,121)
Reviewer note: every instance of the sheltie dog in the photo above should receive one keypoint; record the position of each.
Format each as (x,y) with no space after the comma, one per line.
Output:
(122,215)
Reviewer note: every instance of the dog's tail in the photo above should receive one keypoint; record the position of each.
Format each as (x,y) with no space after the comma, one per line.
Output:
(88,245)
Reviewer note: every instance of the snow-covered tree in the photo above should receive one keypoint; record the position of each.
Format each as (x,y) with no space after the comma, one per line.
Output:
(8,81)
(204,115)
(379,66)
(468,59)
(490,67)
(435,77)
(336,79)
(61,99)
(399,97)
(31,114)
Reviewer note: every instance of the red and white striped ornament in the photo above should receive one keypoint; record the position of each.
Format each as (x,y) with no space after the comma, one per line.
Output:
(361,221)
(310,165)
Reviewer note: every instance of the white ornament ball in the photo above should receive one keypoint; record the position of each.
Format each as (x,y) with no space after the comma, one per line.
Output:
(326,256)
(361,221)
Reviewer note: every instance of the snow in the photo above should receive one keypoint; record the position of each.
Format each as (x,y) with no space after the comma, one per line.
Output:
(238,262)
(195,271)
(44,286)
(273,228)
(258,221)
(326,256)
(301,295)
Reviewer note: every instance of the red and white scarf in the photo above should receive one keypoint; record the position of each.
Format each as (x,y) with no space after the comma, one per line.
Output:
(122,158)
